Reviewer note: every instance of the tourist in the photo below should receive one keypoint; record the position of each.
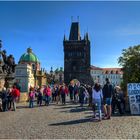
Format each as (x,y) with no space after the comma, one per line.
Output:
(15,96)
(97,97)
(76,93)
(31,98)
(117,100)
(107,98)
(4,99)
(58,94)
(86,98)
(53,93)
(63,93)
(39,97)
(81,95)
(71,90)
(9,96)
(47,93)
(89,89)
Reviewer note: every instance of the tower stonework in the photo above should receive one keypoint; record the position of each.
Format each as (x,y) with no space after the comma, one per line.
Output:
(77,56)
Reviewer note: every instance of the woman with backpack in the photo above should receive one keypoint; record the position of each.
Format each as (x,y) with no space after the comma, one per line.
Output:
(97,97)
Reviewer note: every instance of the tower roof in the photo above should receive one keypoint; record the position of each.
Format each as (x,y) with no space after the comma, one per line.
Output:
(74,31)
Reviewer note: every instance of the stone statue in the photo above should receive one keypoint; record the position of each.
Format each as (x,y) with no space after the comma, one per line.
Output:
(9,63)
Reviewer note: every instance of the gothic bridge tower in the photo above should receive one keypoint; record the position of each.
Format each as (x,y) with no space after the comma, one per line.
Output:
(77,56)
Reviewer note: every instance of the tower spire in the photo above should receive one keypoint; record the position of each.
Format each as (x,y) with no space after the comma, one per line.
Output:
(87,38)
(74,31)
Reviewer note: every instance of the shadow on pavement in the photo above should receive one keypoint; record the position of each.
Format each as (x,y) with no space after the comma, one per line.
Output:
(27,106)
(65,107)
(73,122)
(76,110)
(124,115)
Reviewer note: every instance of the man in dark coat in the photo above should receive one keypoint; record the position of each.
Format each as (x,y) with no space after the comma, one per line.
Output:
(108,91)
(4,100)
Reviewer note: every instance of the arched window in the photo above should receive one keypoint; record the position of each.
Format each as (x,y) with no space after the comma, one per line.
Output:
(33,66)
(111,72)
(106,72)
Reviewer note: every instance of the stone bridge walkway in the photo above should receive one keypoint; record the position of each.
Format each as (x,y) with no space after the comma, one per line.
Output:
(64,122)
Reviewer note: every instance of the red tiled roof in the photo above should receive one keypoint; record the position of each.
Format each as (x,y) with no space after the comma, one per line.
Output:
(95,68)
(114,70)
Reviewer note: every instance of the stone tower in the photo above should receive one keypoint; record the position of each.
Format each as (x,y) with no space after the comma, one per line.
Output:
(77,56)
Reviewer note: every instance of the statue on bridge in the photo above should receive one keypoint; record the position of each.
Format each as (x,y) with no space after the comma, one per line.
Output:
(8,66)
(9,63)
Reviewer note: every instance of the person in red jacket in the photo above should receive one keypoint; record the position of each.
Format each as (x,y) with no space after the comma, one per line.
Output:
(63,93)
(47,93)
(15,96)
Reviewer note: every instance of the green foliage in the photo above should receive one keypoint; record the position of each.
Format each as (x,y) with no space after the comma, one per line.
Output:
(130,62)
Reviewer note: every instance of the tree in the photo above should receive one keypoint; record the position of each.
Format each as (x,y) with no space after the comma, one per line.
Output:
(130,62)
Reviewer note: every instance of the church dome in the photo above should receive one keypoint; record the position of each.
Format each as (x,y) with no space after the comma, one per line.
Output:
(29,57)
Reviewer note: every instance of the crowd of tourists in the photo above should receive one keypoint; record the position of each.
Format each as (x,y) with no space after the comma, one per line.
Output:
(8,98)
(105,99)
(102,99)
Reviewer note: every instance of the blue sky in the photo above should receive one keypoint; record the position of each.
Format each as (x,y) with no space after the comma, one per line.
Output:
(112,26)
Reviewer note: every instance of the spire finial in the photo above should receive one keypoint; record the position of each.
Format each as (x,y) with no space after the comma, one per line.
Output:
(78,18)
(29,50)
(71,18)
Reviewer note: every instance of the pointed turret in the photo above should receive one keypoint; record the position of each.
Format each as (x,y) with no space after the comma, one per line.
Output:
(87,38)
(64,38)
(74,31)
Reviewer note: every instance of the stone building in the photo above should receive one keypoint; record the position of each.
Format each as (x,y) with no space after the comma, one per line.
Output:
(77,56)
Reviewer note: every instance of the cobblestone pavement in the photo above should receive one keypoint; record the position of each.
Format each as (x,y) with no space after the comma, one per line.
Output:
(67,122)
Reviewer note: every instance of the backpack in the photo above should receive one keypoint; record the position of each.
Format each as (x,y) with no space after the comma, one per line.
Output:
(31,95)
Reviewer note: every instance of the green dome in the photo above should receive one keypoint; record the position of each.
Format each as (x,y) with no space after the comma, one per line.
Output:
(29,57)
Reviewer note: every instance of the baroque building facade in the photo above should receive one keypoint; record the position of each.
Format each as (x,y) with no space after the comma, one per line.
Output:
(77,56)
(100,74)
(28,73)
